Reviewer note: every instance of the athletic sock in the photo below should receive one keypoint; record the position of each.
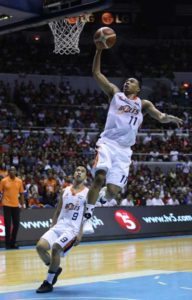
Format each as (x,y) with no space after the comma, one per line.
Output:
(50,277)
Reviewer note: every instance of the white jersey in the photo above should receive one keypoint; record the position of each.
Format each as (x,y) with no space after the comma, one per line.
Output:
(72,208)
(123,120)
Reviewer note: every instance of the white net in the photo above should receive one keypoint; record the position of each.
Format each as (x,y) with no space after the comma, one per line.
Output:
(66,35)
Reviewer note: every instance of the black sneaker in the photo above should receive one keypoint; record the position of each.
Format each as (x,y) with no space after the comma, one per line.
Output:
(46,287)
(14,246)
(56,275)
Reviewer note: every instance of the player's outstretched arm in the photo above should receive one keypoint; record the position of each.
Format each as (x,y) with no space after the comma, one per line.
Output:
(109,88)
(149,108)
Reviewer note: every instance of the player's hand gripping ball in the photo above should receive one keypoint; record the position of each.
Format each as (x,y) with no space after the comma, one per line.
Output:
(105,38)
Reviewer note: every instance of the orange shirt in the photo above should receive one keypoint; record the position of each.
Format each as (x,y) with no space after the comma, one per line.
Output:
(50,185)
(11,188)
(34,201)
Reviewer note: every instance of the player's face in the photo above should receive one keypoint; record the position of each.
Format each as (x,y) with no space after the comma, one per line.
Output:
(80,174)
(131,86)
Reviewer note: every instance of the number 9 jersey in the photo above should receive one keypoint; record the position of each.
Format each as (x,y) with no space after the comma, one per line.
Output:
(72,210)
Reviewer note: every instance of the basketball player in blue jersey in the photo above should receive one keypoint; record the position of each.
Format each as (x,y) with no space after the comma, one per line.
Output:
(66,229)
(124,118)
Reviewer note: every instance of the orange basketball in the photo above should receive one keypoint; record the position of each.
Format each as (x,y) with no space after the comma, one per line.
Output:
(104,38)
(72,20)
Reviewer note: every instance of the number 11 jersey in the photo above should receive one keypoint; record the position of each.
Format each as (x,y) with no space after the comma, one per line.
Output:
(123,120)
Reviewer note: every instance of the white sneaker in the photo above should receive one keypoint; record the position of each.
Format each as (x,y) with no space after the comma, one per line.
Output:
(88,227)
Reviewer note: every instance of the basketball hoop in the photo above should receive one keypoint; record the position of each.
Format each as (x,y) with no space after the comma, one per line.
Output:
(66,34)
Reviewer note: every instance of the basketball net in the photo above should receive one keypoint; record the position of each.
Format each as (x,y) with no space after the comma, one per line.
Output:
(66,34)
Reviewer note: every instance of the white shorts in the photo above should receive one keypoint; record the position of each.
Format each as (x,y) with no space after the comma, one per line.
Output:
(65,238)
(115,160)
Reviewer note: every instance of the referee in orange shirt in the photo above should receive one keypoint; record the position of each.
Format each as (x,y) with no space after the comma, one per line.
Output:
(11,187)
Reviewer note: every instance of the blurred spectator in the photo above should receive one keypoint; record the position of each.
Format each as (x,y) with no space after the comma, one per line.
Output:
(173,200)
(34,201)
(103,201)
(127,201)
(51,189)
(156,200)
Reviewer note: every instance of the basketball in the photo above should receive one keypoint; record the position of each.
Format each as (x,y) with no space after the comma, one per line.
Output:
(104,38)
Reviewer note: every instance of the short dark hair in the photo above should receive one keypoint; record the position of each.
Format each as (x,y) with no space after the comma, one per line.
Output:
(81,165)
(139,81)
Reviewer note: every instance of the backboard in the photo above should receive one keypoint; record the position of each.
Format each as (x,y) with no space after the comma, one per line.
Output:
(20,15)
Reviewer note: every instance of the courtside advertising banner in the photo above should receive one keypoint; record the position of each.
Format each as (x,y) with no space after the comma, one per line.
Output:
(110,222)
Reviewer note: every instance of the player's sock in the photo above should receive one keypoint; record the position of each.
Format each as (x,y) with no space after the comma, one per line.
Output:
(89,211)
(57,273)
(50,277)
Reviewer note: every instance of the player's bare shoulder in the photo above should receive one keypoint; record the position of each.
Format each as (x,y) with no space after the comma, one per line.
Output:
(146,104)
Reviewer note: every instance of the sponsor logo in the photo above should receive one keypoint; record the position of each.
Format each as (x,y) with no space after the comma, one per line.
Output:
(2,228)
(96,222)
(127,221)
(36,224)
(171,218)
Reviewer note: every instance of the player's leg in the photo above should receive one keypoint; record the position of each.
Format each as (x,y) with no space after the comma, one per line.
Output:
(93,193)
(92,196)
(42,248)
(62,244)
(45,244)
(53,272)
(117,176)
(100,167)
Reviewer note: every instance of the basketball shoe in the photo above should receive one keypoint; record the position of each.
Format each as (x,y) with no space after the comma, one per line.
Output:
(45,287)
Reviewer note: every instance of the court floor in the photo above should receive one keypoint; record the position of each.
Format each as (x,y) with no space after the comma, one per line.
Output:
(144,269)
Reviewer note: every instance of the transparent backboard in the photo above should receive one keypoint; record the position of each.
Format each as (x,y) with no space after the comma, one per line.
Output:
(18,15)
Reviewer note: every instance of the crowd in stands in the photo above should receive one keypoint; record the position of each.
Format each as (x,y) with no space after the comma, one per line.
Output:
(154,188)
(61,106)
(21,54)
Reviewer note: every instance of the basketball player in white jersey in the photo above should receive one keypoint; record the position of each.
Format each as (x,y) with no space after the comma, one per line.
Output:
(124,118)
(66,229)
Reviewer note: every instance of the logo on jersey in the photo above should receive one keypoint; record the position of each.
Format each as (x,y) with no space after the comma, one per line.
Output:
(127,221)
(72,206)
(128,109)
